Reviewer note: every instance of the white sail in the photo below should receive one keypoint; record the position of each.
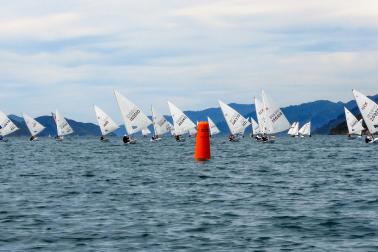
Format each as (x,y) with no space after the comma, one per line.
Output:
(146,132)
(255,127)
(161,125)
(354,126)
(34,127)
(62,126)
(291,130)
(172,130)
(181,123)
(235,121)
(296,129)
(306,129)
(275,119)
(369,111)
(213,127)
(107,125)
(135,120)
(6,125)
(260,113)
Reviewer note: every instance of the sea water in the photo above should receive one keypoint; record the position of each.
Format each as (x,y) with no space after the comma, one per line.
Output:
(312,194)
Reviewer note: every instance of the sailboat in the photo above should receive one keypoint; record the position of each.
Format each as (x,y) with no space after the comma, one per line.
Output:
(355,127)
(7,127)
(34,127)
(275,120)
(107,124)
(235,121)
(369,112)
(134,119)
(160,124)
(213,127)
(255,128)
(62,126)
(260,115)
(294,130)
(305,130)
(181,123)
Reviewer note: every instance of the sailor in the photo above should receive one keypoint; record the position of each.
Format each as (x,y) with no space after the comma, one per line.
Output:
(231,137)
(1,138)
(368,139)
(32,138)
(102,138)
(177,137)
(126,139)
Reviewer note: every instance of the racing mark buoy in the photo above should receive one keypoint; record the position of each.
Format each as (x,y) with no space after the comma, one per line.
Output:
(202,148)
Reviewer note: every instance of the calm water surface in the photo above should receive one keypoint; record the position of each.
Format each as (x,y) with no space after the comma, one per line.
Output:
(318,194)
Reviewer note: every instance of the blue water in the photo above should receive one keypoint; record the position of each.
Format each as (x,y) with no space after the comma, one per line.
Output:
(318,194)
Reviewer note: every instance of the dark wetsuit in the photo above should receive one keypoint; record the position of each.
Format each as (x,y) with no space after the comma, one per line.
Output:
(126,139)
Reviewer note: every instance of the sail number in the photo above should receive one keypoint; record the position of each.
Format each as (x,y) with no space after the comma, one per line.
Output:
(133,114)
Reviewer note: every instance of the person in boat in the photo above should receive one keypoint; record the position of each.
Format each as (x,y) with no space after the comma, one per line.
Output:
(349,135)
(231,137)
(102,138)
(177,137)
(32,138)
(1,138)
(368,139)
(126,139)
(264,138)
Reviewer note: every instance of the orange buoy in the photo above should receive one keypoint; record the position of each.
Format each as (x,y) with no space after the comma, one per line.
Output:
(202,149)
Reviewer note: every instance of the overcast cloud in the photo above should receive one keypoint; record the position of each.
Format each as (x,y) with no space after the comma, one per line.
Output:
(71,54)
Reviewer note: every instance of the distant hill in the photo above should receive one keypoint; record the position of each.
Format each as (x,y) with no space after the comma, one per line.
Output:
(338,126)
(326,117)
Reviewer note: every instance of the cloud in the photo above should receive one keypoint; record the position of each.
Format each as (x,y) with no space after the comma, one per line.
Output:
(72,54)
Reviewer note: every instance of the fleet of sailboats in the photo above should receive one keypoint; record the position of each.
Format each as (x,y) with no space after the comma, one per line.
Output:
(270,121)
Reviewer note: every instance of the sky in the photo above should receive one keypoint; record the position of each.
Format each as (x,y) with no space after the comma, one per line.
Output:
(72,54)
